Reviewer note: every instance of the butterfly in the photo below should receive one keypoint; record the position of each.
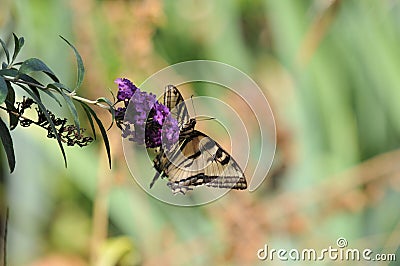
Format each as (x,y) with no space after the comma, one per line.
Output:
(195,159)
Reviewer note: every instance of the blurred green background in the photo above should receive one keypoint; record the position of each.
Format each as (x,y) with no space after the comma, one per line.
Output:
(331,72)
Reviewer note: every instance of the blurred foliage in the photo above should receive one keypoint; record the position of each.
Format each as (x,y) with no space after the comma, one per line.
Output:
(330,72)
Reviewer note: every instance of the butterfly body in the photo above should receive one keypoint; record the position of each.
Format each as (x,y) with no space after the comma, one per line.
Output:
(196,159)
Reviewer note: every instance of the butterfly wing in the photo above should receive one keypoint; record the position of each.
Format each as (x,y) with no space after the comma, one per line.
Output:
(172,98)
(195,159)
(199,160)
(176,104)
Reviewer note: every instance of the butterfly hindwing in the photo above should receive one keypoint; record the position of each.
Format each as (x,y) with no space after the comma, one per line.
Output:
(195,159)
(202,161)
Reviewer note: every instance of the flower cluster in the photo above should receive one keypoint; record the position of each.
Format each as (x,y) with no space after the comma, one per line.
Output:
(170,133)
(143,119)
(126,89)
(69,134)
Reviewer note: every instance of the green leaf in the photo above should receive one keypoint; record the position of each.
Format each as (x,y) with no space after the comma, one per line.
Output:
(36,65)
(14,73)
(112,94)
(49,93)
(110,109)
(102,130)
(9,72)
(3,90)
(18,43)
(52,126)
(62,86)
(104,100)
(35,91)
(89,116)
(29,79)
(10,101)
(6,140)
(72,109)
(69,102)
(3,44)
(79,61)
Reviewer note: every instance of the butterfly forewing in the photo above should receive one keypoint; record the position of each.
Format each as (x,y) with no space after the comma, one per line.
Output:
(196,159)
(176,104)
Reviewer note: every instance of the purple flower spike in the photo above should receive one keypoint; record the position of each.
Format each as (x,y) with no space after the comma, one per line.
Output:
(125,89)
(147,121)
(170,132)
(120,113)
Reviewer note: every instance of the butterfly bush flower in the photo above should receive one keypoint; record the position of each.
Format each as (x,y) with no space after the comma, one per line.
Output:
(126,89)
(170,132)
(144,119)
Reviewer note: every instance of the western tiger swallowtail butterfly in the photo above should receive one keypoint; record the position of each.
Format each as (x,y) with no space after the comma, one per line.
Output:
(196,159)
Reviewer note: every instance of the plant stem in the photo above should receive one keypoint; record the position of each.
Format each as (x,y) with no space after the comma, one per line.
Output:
(18,115)
(78,98)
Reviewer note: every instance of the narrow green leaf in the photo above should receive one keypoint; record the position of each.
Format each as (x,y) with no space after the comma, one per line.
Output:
(36,84)
(35,91)
(89,116)
(104,100)
(10,101)
(21,42)
(18,43)
(6,140)
(49,93)
(52,126)
(3,90)
(110,109)
(62,86)
(112,94)
(9,72)
(3,44)
(80,66)
(16,47)
(36,65)
(72,109)
(29,79)
(69,102)
(102,131)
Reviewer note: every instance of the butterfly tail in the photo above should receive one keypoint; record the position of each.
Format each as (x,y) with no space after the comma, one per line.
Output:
(156,176)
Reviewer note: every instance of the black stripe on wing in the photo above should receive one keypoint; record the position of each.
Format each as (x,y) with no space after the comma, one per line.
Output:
(228,182)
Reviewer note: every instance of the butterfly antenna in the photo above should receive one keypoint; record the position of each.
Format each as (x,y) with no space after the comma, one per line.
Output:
(194,110)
